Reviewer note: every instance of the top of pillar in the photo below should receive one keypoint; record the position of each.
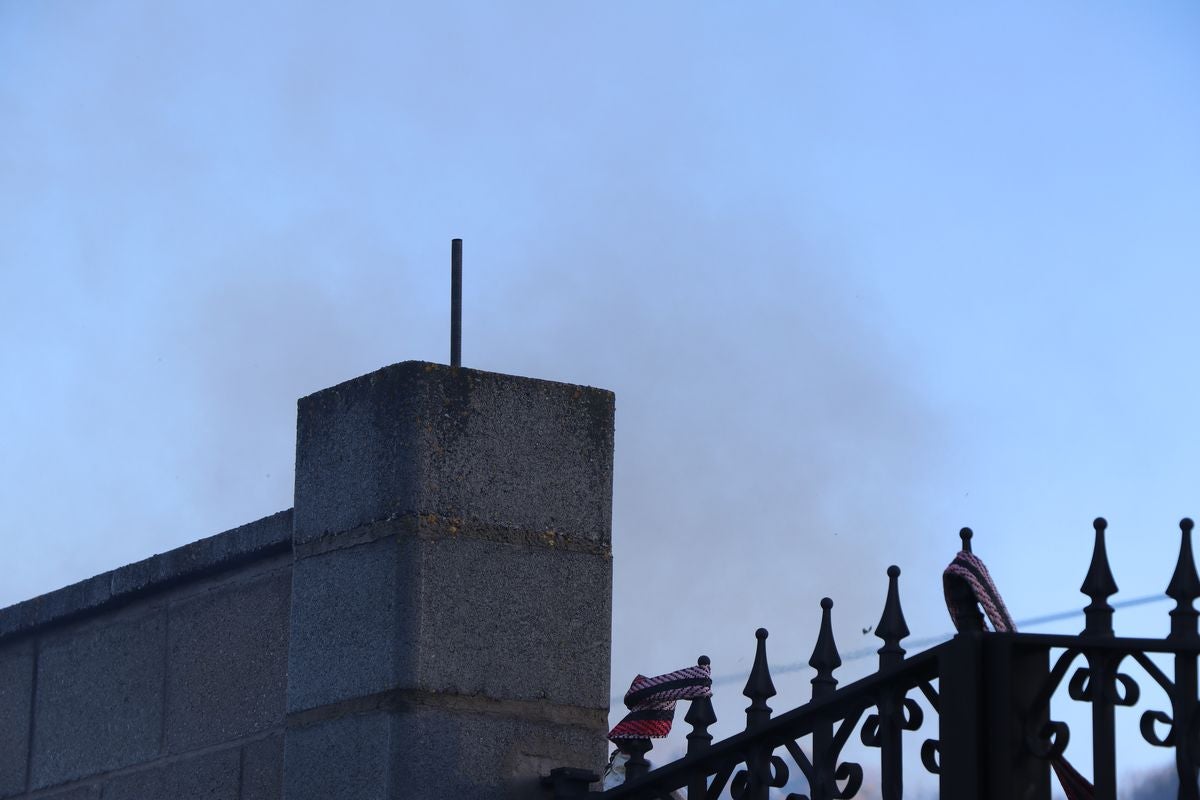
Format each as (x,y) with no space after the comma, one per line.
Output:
(467,447)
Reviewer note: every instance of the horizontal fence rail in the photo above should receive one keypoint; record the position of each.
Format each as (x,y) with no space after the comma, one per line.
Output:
(991,694)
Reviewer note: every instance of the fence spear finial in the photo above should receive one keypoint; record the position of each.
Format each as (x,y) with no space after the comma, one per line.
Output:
(759,687)
(700,715)
(1099,585)
(1184,587)
(892,628)
(825,658)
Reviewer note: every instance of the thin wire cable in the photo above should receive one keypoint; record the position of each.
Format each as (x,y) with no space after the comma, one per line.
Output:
(914,644)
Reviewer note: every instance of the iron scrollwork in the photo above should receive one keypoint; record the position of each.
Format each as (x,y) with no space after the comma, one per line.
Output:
(748,767)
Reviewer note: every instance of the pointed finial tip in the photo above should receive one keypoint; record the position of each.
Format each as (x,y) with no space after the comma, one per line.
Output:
(826,603)
(760,634)
(1099,523)
(703,661)
(1186,524)
(893,571)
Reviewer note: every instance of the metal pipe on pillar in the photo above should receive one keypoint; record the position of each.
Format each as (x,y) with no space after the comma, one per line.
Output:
(456,302)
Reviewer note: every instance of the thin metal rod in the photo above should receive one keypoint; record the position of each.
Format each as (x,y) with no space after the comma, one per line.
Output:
(456,302)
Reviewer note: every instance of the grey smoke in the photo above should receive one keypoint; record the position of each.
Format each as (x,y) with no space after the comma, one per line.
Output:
(768,427)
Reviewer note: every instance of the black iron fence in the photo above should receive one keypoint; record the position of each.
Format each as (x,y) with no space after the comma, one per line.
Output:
(991,693)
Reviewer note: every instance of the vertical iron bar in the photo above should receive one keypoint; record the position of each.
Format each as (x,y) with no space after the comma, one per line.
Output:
(825,659)
(1184,589)
(700,716)
(961,739)
(759,688)
(456,302)
(1099,585)
(1184,713)
(1104,727)
(891,764)
(637,765)
(1012,676)
(892,629)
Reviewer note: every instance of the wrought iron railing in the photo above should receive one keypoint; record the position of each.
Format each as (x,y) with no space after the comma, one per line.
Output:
(991,692)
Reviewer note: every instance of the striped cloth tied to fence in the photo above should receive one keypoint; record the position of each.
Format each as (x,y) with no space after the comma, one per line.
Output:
(651,702)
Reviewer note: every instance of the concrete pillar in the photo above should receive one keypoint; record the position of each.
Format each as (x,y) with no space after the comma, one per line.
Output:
(451,596)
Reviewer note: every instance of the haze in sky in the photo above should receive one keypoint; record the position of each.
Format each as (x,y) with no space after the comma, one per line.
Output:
(859,274)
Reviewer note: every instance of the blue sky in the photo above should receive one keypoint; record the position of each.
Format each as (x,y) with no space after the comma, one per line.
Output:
(859,274)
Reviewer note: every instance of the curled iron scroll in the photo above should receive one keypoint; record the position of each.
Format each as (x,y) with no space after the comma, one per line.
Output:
(1083,688)
(931,756)
(852,774)
(848,773)
(774,773)
(1151,735)
(1049,739)
(912,717)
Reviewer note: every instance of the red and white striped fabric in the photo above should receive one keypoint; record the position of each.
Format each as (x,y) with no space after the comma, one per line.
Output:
(651,702)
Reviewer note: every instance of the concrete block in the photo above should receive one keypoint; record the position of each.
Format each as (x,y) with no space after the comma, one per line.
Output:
(484,756)
(262,769)
(513,622)
(346,758)
(212,776)
(16,704)
(351,625)
(425,753)
(227,663)
(419,438)
(99,701)
(505,621)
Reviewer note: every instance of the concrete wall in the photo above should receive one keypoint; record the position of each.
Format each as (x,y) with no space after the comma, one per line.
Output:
(432,619)
(164,678)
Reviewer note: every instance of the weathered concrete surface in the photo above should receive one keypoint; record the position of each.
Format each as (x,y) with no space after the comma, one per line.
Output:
(128,688)
(347,758)
(262,769)
(98,704)
(212,776)
(16,705)
(514,622)
(439,628)
(92,792)
(494,756)
(352,628)
(451,615)
(225,550)
(421,752)
(451,604)
(420,438)
(227,662)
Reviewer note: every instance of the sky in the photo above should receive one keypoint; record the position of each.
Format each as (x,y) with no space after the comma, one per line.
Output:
(859,274)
